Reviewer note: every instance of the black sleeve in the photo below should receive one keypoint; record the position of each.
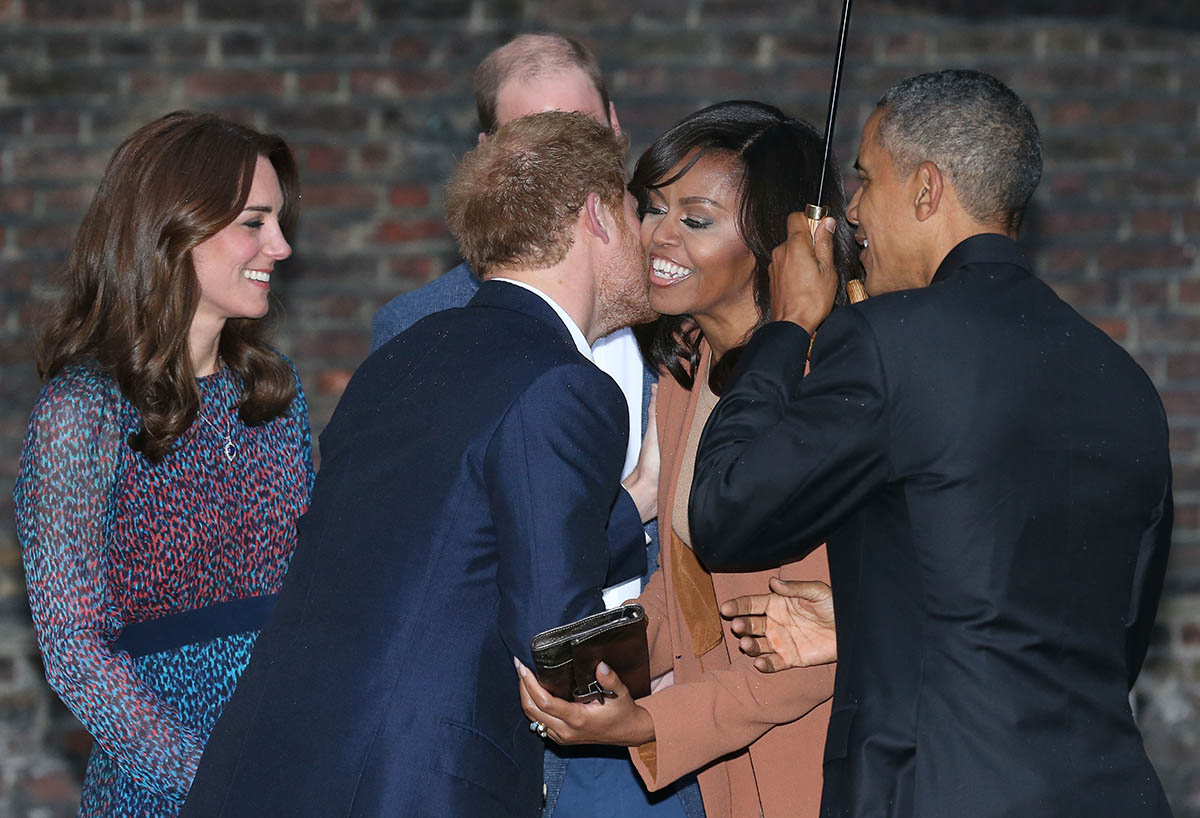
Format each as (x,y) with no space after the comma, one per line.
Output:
(785,457)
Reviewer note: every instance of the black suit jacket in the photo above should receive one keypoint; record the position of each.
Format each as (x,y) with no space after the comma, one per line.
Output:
(468,481)
(992,474)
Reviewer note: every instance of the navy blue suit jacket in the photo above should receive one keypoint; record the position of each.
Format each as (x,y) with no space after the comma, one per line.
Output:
(467,498)
(453,289)
(992,474)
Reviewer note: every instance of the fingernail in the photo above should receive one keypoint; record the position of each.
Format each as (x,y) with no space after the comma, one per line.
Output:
(603,668)
(520,667)
(830,225)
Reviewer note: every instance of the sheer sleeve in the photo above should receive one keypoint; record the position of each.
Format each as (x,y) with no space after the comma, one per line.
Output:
(63,506)
(299,422)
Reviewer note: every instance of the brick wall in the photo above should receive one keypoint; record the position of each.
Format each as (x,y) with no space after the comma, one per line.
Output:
(374,97)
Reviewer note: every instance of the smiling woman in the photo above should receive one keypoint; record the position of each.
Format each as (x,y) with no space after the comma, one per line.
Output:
(168,456)
(715,192)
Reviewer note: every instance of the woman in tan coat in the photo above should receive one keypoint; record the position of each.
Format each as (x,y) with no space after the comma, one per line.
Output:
(715,191)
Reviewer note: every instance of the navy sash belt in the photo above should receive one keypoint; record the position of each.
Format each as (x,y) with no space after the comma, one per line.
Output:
(201,625)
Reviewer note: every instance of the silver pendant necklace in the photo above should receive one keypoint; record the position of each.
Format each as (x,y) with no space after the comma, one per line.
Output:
(228,446)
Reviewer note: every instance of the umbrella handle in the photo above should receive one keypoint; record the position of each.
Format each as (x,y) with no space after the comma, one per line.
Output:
(855,290)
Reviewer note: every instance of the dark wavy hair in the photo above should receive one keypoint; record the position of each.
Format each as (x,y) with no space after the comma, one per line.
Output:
(780,158)
(130,289)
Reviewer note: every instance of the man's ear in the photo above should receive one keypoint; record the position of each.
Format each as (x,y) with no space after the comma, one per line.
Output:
(930,185)
(597,220)
(612,118)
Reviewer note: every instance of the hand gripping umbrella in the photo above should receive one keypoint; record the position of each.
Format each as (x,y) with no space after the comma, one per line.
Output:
(815,212)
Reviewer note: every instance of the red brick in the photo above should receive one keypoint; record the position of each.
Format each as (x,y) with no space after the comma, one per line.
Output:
(1074,222)
(1183,365)
(396,231)
(1152,223)
(321,158)
(1150,292)
(15,199)
(402,84)
(49,788)
(73,200)
(1088,294)
(1115,328)
(1181,401)
(1063,260)
(1189,291)
(333,346)
(333,381)
(904,45)
(1189,633)
(162,12)
(375,156)
(1061,183)
(409,196)
(234,84)
(342,11)
(338,196)
(149,83)
(45,236)
(1169,327)
(1071,112)
(312,82)
(412,268)
(1126,257)
(409,48)
(1183,440)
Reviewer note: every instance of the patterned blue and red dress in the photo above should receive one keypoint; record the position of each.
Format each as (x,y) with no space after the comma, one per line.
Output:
(148,582)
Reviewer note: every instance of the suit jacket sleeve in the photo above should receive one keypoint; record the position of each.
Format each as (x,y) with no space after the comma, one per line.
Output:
(1149,573)
(785,458)
(552,472)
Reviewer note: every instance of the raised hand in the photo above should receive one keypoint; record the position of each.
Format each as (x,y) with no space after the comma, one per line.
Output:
(792,626)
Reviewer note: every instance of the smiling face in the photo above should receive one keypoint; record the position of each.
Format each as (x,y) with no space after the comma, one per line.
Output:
(699,263)
(883,213)
(234,266)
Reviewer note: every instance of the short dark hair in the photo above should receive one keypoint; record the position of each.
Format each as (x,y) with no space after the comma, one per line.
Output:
(512,201)
(976,130)
(528,57)
(780,161)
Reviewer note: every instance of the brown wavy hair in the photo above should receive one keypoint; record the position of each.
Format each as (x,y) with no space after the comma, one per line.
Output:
(130,289)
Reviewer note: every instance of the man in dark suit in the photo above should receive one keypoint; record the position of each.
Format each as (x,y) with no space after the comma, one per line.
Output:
(531,73)
(469,497)
(991,472)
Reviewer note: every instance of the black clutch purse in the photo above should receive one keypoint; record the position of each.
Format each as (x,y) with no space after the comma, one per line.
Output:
(565,658)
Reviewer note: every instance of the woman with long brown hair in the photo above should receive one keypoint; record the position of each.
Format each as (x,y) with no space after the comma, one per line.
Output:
(168,456)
